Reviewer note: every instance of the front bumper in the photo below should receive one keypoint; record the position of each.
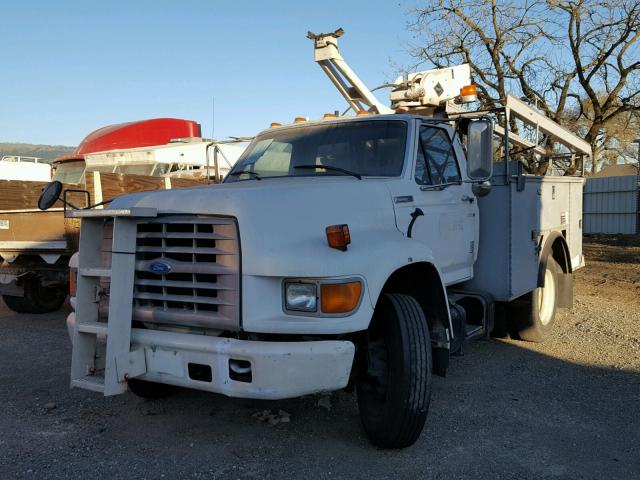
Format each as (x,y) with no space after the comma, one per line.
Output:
(278,369)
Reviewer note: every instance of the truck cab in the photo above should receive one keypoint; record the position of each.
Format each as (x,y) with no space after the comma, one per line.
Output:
(343,252)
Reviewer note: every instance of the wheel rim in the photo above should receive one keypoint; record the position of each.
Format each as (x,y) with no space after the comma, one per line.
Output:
(547,298)
(46,297)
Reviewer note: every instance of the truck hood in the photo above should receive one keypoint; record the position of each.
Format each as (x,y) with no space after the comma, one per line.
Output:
(282,221)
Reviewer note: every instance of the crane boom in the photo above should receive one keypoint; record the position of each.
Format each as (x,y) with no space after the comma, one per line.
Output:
(354,91)
(424,92)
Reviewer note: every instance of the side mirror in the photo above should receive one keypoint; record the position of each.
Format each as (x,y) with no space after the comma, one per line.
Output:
(480,149)
(50,195)
(481,189)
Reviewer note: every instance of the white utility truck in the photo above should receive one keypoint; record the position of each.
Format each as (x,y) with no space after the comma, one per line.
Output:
(353,251)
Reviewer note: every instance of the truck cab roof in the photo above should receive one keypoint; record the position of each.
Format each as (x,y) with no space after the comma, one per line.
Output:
(361,117)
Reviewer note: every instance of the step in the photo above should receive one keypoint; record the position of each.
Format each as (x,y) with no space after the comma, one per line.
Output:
(97,328)
(90,382)
(473,331)
(95,272)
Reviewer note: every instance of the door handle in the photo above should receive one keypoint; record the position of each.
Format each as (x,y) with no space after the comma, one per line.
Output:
(414,216)
(467,198)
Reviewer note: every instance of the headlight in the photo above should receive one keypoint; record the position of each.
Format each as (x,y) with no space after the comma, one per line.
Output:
(323,296)
(301,296)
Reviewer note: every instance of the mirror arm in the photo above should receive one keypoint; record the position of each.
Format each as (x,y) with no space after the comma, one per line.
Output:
(67,203)
(98,204)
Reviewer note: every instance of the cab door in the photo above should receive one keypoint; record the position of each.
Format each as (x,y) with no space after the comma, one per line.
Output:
(443,205)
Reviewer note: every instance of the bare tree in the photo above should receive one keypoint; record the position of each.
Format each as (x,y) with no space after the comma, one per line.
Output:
(567,58)
(614,142)
(603,37)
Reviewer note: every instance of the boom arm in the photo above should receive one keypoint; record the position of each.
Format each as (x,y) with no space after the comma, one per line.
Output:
(354,91)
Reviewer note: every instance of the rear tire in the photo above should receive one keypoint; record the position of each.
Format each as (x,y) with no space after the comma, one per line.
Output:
(41,299)
(152,390)
(394,393)
(17,304)
(533,315)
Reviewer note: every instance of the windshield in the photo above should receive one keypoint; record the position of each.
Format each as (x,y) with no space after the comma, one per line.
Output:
(126,168)
(69,172)
(369,148)
(135,169)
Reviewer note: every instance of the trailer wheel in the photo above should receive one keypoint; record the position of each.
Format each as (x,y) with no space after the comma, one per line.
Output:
(41,299)
(17,304)
(533,315)
(394,393)
(153,390)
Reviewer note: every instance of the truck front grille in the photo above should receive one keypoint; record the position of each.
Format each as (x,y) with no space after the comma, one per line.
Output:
(187,272)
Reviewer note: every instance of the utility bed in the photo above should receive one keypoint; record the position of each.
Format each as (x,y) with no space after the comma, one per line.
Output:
(516,219)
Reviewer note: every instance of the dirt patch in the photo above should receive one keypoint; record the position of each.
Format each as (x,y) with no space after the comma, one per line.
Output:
(613,270)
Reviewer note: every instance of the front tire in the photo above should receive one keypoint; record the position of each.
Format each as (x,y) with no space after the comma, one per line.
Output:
(394,393)
(533,315)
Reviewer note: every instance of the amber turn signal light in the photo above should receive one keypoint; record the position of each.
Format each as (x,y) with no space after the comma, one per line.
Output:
(338,236)
(340,297)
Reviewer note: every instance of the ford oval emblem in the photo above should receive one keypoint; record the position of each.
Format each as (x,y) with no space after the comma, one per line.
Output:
(160,268)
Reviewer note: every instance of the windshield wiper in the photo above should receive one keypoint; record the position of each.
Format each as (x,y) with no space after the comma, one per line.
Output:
(249,172)
(334,169)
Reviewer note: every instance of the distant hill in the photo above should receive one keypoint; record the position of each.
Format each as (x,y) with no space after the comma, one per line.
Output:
(46,152)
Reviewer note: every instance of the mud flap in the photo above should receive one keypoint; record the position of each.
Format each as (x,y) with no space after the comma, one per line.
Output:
(440,363)
(565,290)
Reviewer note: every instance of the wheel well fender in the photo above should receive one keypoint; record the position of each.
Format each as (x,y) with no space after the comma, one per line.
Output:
(557,248)
(423,282)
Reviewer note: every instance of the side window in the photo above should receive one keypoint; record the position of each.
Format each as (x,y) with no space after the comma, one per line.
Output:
(436,162)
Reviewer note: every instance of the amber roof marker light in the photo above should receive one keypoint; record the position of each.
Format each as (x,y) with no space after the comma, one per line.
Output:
(468,93)
(338,236)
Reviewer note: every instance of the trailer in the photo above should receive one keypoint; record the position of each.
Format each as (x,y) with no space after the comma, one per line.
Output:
(154,154)
(353,251)
(21,168)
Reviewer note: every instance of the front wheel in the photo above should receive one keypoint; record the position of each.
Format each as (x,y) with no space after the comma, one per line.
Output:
(394,393)
(533,315)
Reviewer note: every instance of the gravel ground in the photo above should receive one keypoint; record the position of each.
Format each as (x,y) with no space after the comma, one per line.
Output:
(567,408)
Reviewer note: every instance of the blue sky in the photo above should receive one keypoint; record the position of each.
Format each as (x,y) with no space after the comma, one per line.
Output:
(72,67)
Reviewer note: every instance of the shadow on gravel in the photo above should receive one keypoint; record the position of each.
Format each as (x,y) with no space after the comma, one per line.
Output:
(503,412)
